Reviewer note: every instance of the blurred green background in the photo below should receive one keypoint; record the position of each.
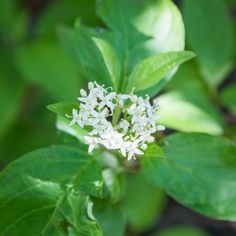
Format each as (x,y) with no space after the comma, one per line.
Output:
(37,68)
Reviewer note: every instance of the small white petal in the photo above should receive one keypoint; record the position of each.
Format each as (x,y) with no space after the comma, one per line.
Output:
(91,85)
(160,127)
(83,93)
(144,146)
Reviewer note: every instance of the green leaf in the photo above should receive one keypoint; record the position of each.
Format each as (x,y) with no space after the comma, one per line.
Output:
(63,110)
(152,70)
(182,231)
(181,109)
(228,96)
(143,203)
(90,57)
(111,218)
(132,34)
(49,195)
(124,36)
(111,60)
(211,37)
(198,170)
(46,65)
(162,21)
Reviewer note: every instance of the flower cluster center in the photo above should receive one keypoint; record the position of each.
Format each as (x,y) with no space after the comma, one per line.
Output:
(123,122)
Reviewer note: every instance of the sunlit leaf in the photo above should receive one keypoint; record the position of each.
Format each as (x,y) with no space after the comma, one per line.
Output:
(162,21)
(152,70)
(188,113)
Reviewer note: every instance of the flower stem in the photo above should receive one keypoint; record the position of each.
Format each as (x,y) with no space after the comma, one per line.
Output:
(116,116)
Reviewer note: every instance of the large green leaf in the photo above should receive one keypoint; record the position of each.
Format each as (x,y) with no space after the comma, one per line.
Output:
(228,96)
(46,65)
(143,203)
(46,192)
(198,170)
(137,31)
(162,21)
(210,33)
(152,70)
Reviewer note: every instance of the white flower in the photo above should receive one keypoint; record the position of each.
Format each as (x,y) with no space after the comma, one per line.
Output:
(112,139)
(124,125)
(76,118)
(132,149)
(160,127)
(107,101)
(83,93)
(91,100)
(134,126)
(90,85)
(120,98)
(99,117)
(92,142)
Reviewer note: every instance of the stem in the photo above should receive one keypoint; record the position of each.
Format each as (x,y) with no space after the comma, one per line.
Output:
(116,116)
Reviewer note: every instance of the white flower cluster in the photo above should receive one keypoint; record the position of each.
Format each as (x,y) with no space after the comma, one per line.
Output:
(123,122)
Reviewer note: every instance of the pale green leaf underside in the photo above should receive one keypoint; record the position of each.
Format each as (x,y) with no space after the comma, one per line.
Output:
(198,170)
(152,70)
(180,111)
